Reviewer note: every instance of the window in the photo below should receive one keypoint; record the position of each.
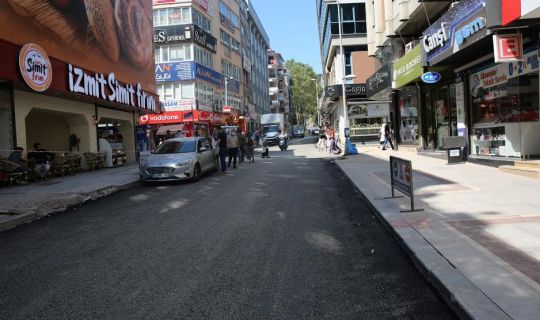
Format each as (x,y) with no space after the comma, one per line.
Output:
(228,14)
(200,20)
(204,57)
(230,44)
(173,53)
(176,91)
(353,18)
(205,95)
(230,70)
(172,16)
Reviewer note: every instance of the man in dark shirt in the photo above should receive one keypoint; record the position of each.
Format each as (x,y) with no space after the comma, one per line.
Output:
(222,149)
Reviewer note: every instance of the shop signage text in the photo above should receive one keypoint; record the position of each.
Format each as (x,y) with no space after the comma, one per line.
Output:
(431,77)
(501,73)
(207,74)
(437,39)
(408,68)
(35,67)
(179,105)
(183,33)
(175,71)
(357,90)
(461,26)
(109,89)
(181,116)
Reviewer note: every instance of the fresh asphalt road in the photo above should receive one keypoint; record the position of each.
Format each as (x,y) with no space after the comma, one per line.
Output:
(282,238)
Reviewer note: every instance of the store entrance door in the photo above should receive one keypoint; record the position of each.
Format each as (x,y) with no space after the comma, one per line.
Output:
(441,115)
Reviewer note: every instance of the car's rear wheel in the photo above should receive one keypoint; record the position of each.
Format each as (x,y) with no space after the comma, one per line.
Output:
(197,172)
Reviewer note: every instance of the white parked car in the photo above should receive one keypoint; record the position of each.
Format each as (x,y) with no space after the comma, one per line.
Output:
(179,159)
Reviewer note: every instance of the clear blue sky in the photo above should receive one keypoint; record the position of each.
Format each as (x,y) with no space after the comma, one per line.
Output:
(292,28)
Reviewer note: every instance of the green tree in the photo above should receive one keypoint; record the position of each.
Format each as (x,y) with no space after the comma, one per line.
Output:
(304,98)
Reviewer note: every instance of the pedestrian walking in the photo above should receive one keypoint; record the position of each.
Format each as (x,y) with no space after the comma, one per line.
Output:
(388,134)
(241,145)
(232,145)
(250,149)
(222,150)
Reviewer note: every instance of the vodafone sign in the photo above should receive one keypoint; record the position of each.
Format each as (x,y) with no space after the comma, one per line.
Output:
(35,67)
(169,117)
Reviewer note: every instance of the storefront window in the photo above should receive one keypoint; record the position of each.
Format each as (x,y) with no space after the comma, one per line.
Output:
(408,110)
(505,109)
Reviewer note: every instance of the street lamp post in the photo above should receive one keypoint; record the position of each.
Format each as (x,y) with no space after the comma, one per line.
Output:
(344,93)
(317,100)
(226,92)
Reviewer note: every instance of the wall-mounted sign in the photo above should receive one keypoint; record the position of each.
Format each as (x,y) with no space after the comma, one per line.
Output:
(508,47)
(431,77)
(374,110)
(35,67)
(108,88)
(179,105)
(204,39)
(379,81)
(409,68)
(207,74)
(227,109)
(463,25)
(356,90)
(175,71)
(184,33)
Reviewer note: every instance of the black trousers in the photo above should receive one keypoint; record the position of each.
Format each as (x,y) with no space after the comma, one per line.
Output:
(232,156)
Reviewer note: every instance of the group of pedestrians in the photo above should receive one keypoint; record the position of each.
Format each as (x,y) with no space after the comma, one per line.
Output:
(327,140)
(237,146)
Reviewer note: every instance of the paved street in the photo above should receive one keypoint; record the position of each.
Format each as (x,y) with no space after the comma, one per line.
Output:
(283,238)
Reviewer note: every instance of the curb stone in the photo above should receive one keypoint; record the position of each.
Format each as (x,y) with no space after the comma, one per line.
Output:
(442,275)
(72,200)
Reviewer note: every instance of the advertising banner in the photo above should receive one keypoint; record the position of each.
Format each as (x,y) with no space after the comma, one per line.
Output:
(179,105)
(207,74)
(401,177)
(175,71)
(101,37)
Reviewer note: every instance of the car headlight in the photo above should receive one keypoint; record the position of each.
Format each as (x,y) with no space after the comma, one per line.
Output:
(185,162)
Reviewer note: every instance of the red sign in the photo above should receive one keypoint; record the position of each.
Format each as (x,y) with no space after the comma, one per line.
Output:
(511,10)
(227,108)
(508,47)
(163,118)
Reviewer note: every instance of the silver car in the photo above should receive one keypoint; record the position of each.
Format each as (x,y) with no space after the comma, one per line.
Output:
(179,159)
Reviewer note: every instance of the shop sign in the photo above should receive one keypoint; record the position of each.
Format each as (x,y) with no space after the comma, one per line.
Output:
(172,34)
(227,109)
(508,47)
(408,68)
(163,118)
(431,77)
(501,73)
(35,67)
(357,90)
(204,39)
(379,81)
(109,89)
(401,177)
(463,25)
(216,118)
(175,71)
(207,74)
(179,105)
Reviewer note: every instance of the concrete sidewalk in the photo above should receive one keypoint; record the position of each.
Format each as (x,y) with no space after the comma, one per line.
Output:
(477,239)
(21,204)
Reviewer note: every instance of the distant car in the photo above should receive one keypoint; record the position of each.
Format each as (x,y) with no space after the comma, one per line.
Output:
(314,131)
(298,132)
(179,159)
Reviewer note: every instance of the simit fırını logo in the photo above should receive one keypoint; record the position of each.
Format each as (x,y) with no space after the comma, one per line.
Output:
(35,67)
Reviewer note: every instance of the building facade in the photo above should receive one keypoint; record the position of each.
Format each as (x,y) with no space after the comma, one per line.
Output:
(279,84)
(69,93)
(346,67)
(257,42)
(466,72)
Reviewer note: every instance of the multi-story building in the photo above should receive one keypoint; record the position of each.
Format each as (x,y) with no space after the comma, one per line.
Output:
(258,42)
(346,66)
(279,84)
(199,57)
(462,73)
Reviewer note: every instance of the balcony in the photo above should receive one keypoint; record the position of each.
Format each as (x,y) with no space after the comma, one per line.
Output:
(273,90)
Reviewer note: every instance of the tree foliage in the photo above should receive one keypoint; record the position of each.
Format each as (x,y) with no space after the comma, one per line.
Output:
(303,92)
